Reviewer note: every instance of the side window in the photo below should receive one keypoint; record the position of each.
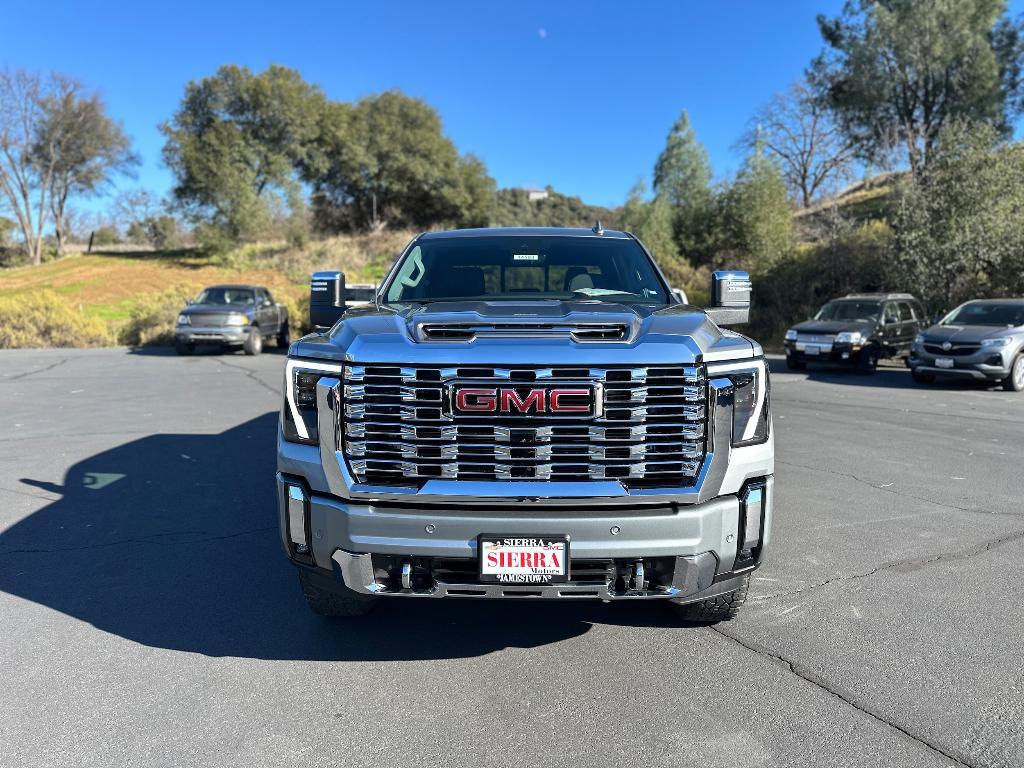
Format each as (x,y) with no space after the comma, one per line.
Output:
(906,315)
(891,315)
(268,297)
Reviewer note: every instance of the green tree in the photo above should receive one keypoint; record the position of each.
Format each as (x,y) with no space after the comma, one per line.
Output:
(895,71)
(86,145)
(238,140)
(682,178)
(36,149)
(385,160)
(755,216)
(653,222)
(957,230)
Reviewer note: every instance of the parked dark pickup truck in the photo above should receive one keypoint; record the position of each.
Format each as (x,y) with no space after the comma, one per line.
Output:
(232,316)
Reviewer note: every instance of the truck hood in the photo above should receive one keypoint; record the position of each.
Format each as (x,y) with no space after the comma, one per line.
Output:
(525,333)
(967,334)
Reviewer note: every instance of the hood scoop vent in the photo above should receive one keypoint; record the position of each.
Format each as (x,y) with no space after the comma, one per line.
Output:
(579,332)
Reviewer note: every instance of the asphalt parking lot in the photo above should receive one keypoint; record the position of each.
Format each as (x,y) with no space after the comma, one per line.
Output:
(150,619)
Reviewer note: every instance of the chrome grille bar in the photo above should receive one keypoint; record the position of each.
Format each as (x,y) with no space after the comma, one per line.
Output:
(649,429)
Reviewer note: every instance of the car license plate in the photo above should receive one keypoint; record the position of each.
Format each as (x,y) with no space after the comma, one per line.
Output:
(944,362)
(523,558)
(811,350)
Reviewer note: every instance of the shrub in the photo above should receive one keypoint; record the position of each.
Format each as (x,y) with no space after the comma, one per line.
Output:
(45,319)
(151,318)
(796,286)
(161,232)
(105,236)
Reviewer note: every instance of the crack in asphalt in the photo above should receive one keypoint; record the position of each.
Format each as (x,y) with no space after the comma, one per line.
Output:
(908,564)
(822,684)
(249,374)
(895,492)
(25,375)
(144,540)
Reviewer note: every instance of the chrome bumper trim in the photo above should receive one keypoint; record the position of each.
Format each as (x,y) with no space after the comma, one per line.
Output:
(692,575)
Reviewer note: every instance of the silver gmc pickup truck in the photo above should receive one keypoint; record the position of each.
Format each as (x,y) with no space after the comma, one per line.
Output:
(526,413)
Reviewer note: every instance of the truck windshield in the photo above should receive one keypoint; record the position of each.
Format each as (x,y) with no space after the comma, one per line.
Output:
(996,315)
(849,310)
(226,296)
(502,267)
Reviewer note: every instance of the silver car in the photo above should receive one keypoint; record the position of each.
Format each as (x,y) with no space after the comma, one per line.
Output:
(981,340)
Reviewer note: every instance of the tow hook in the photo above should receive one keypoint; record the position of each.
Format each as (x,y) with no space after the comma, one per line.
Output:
(639,583)
(406,575)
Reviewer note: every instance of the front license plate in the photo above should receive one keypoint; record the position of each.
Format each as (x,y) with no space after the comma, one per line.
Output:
(523,559)
(944,362)
(809,350)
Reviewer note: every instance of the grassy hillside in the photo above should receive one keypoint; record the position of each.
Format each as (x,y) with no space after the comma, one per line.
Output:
(132,297)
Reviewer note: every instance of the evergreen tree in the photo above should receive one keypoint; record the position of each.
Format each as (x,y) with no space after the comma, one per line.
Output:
(896,71)
(757,219)
(682,178)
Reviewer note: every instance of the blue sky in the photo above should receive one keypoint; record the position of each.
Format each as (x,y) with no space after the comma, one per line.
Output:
(572,94)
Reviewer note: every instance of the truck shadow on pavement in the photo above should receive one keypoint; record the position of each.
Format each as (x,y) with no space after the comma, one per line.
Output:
(171,541)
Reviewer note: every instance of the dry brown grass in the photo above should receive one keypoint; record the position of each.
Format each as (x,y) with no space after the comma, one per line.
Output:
(135,295)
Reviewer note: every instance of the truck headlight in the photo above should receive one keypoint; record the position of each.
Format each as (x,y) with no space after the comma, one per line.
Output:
(299,417)
(750,405)
(183,320)
(849,337)
(1000,342)
(791,334)
(235,319)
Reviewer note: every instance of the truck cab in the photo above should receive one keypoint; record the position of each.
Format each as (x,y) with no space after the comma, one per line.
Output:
(527,413)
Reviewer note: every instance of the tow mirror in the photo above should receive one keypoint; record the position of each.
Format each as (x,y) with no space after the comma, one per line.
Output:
(730,298)
(326,299)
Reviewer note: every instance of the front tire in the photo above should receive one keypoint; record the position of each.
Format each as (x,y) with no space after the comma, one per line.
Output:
(795,365)
(715,609)
(867,362)
(328,598)
(253,342)
(184,348)
(284,336)
(1015,381)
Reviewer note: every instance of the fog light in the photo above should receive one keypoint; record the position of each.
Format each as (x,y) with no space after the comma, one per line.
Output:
(753,508)
(297,505)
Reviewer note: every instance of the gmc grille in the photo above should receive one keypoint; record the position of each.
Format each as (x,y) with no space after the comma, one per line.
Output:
(397,429)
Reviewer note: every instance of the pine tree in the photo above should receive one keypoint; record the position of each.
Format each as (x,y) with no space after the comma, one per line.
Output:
(682,178)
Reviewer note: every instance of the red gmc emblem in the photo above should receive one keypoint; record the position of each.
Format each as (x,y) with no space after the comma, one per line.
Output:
(523,400)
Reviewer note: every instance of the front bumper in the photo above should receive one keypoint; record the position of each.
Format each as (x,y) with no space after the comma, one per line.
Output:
(985,365)
(691,541)
(211,335)
(835,353)
(691,547)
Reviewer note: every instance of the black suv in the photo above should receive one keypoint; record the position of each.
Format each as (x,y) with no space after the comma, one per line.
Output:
(858,330)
